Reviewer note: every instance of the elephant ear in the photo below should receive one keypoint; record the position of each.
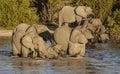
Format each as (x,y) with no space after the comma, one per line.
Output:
(88,10)
(80,11)
(27,42)
(88,34)
(82,39)
(103,37)
(96,22)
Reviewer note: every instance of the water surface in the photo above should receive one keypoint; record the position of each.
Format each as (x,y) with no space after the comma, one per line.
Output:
(105,59)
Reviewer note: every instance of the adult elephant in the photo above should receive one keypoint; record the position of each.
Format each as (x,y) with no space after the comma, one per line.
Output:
(70,14)
(61,37)
(34,45)
(17,34)
(73,40)
(64,37)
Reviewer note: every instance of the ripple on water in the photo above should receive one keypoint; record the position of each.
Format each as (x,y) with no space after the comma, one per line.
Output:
(100,61)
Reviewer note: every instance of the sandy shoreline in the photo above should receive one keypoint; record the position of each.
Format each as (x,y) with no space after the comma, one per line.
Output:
(5,32)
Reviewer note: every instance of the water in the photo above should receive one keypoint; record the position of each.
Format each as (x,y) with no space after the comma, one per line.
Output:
(102,60)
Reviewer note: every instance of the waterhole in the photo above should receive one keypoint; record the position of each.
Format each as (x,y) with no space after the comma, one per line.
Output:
(104,59)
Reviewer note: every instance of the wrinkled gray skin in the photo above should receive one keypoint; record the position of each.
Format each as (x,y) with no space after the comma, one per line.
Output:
(78,41)
(70,14)
(35,45)
(17,34)
(21,45)
(99,30)
(64,35)
(68,40)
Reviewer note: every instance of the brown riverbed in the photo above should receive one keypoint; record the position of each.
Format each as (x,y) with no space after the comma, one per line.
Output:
(104,59)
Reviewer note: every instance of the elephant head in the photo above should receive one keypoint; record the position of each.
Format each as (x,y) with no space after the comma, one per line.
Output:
(70,14)
(102,35)
(83,11)
(38,28)
(34,44)
(98,30)
(17,34)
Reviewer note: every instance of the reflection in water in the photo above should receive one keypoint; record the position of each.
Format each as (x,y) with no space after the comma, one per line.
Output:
(75,66)
(5,40)
(105,61)
(66,66)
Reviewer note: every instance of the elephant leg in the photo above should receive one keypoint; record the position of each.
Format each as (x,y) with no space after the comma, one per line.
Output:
(14,50)
(34,54)
(82,52)
(60,19)
(25,51)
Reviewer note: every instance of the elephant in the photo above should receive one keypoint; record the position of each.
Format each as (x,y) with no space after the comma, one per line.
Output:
(18,32)
(64,37)
(73,40)
(34,45)
(69,14)
(61,37)
(98,29)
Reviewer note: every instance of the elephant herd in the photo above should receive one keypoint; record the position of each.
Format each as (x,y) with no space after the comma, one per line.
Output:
(31,40)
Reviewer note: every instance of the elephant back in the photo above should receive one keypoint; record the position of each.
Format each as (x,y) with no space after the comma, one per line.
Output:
(80,11)
(77,36)
(67,11)
(61,36)
(21,27)
(96,22)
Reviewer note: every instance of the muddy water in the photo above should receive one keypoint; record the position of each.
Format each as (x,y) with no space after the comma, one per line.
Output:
(104,59)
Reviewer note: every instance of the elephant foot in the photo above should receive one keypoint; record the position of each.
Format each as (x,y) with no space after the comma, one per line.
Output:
(79,57)
(34,54)
(14,56)
(24,53)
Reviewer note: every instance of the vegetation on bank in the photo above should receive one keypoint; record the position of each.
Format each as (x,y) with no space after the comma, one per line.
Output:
(14,12)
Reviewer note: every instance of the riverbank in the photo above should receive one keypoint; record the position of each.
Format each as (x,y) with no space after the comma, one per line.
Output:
(5,32)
